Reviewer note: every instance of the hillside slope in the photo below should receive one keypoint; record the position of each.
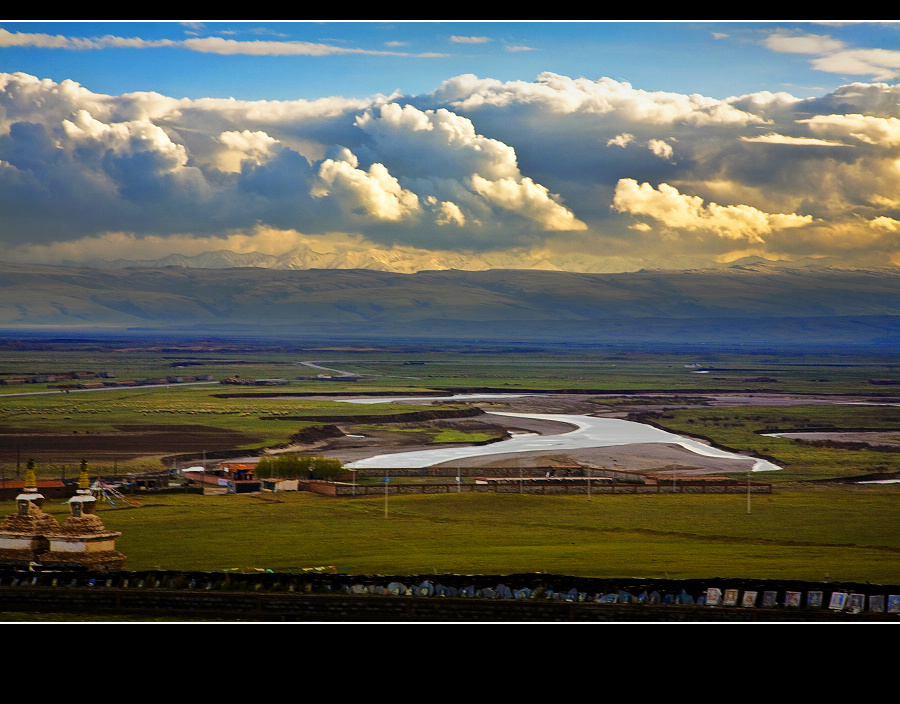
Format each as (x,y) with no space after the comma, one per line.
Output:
(717,304)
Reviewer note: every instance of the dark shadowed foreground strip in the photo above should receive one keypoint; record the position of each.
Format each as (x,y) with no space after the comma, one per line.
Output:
(268,597)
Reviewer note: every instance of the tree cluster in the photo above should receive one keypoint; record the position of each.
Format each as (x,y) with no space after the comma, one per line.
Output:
(300,466)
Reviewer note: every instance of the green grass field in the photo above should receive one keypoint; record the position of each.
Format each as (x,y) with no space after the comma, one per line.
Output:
(267,421)
(843,534)
(393,367)
(264,421)
(848,534)
(745,429)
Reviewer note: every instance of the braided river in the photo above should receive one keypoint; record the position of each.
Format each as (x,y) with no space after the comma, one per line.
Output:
(587,432)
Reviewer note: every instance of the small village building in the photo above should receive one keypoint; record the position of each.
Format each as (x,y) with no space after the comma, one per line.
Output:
(277,484)
(241,477)
(147,481)
(234,477)
(49,488)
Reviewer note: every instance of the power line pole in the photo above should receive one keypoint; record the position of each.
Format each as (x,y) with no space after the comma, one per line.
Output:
(748,492)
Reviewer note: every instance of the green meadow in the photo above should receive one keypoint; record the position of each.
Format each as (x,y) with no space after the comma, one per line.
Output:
(746,430)
(800,531)
(261,421)
(258,419)
(841,534)
(398,367)
(102,411)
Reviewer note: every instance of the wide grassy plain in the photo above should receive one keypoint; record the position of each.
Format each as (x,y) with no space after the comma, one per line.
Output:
(831,533)
(258,419)
(802,531)
(750,429)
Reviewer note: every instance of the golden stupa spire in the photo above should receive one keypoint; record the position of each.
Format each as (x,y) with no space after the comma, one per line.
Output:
(84,482)
(30,477)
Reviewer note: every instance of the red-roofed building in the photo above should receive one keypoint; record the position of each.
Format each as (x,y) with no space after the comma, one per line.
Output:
(51,488)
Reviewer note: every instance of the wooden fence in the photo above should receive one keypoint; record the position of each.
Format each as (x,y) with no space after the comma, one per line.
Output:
(541,486)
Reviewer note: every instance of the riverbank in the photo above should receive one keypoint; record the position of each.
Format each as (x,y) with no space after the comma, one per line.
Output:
(585,433)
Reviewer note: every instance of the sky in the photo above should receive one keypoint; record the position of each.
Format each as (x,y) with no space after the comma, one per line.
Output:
(588,146)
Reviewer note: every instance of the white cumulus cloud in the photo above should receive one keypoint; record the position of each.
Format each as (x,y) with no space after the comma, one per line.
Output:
(620,140)
(661,148)
(562,94)
(480,164)
(373,193)
(679,211)
(869,129)
(528,199)
(246,144)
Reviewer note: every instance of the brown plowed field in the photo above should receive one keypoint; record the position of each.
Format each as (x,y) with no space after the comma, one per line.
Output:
(127,442)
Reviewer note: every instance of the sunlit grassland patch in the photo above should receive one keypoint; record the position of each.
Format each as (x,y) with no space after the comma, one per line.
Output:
(746,430)
(101,411)
(261,421)
(464,366)
(269,420)
(848,534)
(637,370)
(445,435)
(434,434)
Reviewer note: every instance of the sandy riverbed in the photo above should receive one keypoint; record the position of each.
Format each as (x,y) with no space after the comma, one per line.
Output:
(638,457)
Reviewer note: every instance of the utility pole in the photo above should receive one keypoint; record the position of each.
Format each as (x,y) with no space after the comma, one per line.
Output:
(748,493)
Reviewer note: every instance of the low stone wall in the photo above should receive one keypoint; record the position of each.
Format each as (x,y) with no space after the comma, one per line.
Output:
(340,597)
(512,472)
(529,486)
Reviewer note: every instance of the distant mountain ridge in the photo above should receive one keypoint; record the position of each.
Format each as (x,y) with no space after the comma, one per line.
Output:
(739,303)
(399,260)
(409,260)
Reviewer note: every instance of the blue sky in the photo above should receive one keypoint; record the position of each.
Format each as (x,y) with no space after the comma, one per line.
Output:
(579,145)
(718,59)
